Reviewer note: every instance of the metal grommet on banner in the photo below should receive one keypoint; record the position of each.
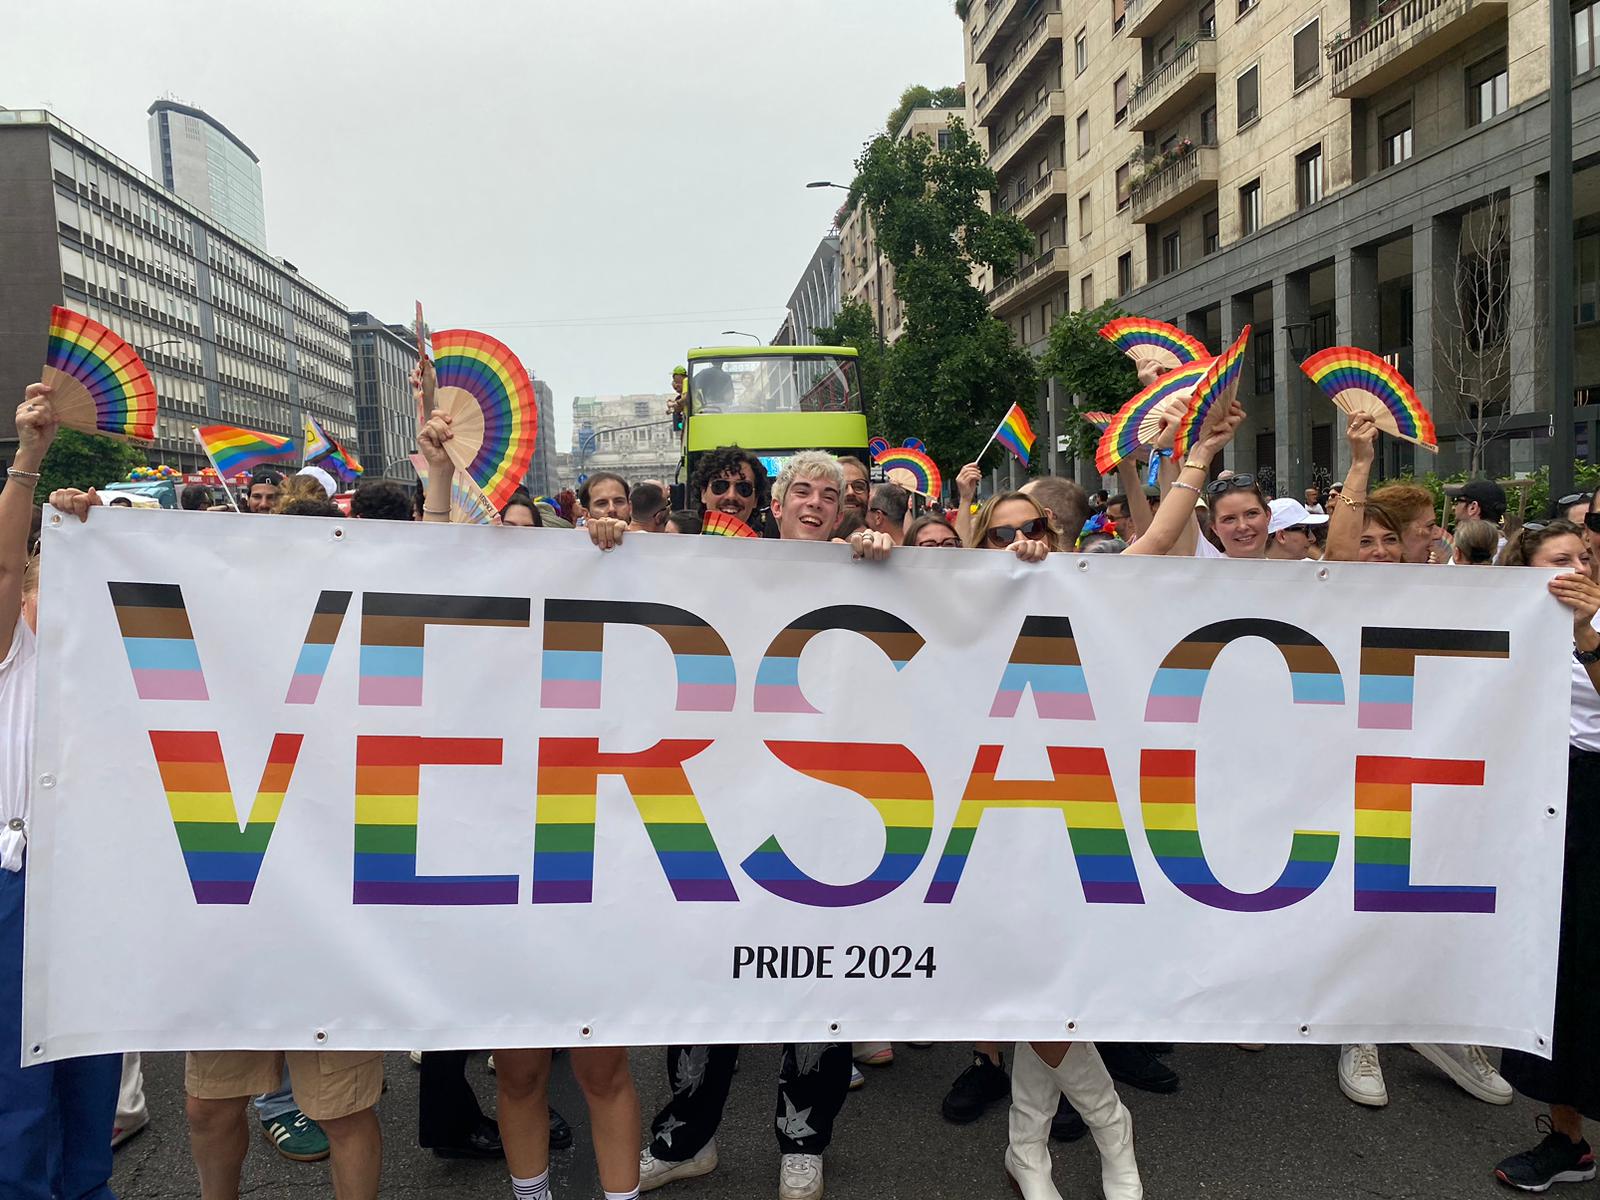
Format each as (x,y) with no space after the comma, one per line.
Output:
(321,1036)
(1550,812)
(338,532)
(1305,1031)
(1071,1025)
(586,1032)
(833,1027)
(1322,574)
(47,780)
(36,1051)
(1083,564)
(55,518)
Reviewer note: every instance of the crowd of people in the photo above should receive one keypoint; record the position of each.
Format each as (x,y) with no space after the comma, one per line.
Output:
(58,1122)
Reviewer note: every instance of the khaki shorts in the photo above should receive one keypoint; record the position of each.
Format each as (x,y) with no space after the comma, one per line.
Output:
(327,1083)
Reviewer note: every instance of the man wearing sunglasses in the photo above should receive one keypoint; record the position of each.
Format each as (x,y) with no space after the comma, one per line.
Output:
(733,481)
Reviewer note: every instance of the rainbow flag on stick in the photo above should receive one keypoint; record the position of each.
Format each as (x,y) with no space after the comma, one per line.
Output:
(327,451)
(235,451)
(1014,433)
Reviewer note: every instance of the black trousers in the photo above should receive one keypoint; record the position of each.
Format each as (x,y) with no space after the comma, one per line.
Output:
(812,1084)
(447,1107)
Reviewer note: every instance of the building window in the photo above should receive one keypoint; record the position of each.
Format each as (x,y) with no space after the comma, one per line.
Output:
(1307,52)
(1586,280)
(1084,215)
(1394,132)
(1208,125)
(1250,207)
(1247,94)
(1119,15)
(1171,259)
(1124,175)
(1208,19)
(1080,51)
(1119,98)
(1083,133)
(1308,177)
(1124,274)
(1585,38)
(1210,233)
(1086,292)
(1246,5)
(1261,347)
(1165,51)
(1488,89)
(944,140)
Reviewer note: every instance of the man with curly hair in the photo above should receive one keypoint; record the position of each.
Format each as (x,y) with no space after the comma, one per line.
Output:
(731,480)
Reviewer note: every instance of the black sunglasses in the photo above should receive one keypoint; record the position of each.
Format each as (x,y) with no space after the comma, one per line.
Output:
(1004,535)
(719,487)
(1591,522)
(1218,486)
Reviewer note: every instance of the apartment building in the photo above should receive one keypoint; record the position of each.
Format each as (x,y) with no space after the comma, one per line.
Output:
(1360,172)
(631,435)
(814,303)
(867,275)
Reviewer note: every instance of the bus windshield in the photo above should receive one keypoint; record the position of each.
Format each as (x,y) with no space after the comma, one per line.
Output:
(779,383)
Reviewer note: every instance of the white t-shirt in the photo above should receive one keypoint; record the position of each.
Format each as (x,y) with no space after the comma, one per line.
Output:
(19,682)
(1585,733)
(1204,549)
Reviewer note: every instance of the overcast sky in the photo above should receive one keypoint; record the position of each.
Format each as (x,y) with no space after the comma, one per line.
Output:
(599,184)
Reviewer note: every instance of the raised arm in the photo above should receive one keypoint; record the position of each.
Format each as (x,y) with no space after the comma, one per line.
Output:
(1177,513)
(36,429)
(1139,511)
(967,481)
(1348,514)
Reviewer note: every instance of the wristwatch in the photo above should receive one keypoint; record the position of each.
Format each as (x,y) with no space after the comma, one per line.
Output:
(1586,657)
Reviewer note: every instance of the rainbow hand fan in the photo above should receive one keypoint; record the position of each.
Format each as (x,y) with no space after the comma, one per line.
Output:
(467,504)
(493,415)
(721,524)
(1220,386)
(1138,424)
(1145,340)
(917,472)
(1098,419)
(98,384)
(1358,381)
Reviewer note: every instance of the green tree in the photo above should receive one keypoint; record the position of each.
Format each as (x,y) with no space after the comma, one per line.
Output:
(918,96)
(854,327)
(956,369)
(1094,373)
(81,460)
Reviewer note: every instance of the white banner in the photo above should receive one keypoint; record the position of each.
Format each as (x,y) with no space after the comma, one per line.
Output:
(309,783)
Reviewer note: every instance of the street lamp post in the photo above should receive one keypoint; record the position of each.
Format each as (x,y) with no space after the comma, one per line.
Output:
(877,259)
(1562,449)
(741,333)
(1299,335)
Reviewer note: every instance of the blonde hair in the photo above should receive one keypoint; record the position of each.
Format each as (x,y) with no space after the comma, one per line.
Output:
(298,487)
(808,464)
(985,517)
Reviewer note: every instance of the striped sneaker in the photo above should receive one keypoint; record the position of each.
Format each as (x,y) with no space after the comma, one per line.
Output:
(296,1136)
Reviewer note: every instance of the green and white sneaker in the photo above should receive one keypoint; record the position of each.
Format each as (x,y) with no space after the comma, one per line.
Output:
(296,1136)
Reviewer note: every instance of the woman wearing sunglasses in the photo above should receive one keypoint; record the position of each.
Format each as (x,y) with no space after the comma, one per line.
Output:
(1015,521)
(933,531)
(1569,1081)
(1238,496)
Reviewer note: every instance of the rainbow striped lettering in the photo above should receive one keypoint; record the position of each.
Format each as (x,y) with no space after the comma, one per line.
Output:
(778,677)
(158,641)
(1045,659)
(1180,682)
(888,777)
(1167,798)
(388,801)
(1389,666)
(223,860)
(1383,836)
(1081,790)
(326,621)
(574,644)
(563,842)
(394,624)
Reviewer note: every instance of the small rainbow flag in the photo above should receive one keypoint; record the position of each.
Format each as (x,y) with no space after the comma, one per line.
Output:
(234,451)
(327,451)
(721,524)
(1015,434)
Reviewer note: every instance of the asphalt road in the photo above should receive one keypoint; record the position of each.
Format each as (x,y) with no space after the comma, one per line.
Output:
(1267,1126)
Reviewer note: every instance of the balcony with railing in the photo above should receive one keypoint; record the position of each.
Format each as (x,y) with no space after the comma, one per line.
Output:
(1005,78)
(1173,181)
(1174,85)
(1402,38)
(1024,206)
(999,18)
(1029,280)
(1146,18)
(1036,121)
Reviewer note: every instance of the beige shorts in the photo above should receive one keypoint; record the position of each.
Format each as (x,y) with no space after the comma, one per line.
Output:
(327,1083)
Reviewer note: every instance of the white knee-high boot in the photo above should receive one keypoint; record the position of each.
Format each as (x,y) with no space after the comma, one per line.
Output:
(1034,1095)
(1084,1080)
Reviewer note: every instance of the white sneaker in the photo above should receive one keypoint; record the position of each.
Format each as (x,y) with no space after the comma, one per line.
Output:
(800,1177)
(874,1054)
(857,1079)
(1361,1076)
(653,1171)
(1471,1069)
(416,1057)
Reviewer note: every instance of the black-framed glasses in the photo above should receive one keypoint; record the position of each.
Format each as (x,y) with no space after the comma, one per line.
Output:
(942,544)
(1004,535)
(1218,486)
(719,487)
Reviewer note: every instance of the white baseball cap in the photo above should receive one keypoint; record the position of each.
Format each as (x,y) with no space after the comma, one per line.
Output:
(1288,512)
(322,478)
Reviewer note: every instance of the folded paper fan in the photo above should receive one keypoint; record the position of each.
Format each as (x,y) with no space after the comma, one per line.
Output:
(721,524)
(468,506)
(923,471)
(1138,424)
(97,383)
(494,419)
(1098,419)
(1358,381)
(1220,386)
(1145,340)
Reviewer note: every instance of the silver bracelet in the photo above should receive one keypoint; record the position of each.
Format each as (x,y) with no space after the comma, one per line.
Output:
(435,512)
(13,473)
